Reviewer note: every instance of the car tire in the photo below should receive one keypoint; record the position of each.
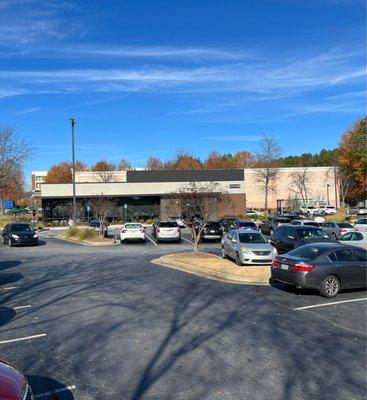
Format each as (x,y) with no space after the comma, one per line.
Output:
(333,236)
(238,260)
(224,254)
(330,286)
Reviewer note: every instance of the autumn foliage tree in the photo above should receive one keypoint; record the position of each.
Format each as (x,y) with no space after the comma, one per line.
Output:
(353,161)
(62,172)
(186,161)
(103,165)
(154,164)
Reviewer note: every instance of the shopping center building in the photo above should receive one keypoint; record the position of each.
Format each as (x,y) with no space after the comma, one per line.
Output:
(144,194)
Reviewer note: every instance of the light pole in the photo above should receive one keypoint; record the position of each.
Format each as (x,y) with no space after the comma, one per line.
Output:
(73,122)
(327,194)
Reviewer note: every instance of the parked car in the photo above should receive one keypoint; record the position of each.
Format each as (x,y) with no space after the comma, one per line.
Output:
(239,224)
(307,222)
(96,224)
(132,231)
(357,210)
(327,267)
(179,221)
(212,231)
(253,213)
(288,237)
(247,247)
(310,210)
(168,231)
(269,226)
(227,223)
(329,210)
(13,384)
(355,239)
(361,225)
(18,233)
(336,229)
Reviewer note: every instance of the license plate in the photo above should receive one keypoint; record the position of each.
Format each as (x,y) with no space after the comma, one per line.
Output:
(284,266)
(212,231)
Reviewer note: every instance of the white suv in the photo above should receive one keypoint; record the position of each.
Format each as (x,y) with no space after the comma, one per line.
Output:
(330,210)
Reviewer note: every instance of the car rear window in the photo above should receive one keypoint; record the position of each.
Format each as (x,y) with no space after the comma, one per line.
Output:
(168,224)
(308,252)
(362,221)
(283,220)
(133,226)
(311,233)
(311,224)
(246,224)
(213,225)
(251,238)
(21,227)
(345,225)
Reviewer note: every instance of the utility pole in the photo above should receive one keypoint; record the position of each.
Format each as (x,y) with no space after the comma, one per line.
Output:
(327,194)
(73,122)
(336,187)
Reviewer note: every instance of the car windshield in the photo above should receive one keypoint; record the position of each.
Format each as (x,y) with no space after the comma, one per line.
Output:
(311,233)
(308,252)
(345,225)
(133,226)
(283,220)
(94,223)
(246,237)
(21,228)
(168,224)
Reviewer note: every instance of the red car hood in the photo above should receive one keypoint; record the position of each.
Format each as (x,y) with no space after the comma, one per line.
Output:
(13,384)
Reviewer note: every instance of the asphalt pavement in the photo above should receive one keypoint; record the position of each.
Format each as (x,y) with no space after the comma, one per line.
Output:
(105,323)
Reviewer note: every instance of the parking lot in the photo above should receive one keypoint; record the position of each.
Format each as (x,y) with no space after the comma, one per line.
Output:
(105,323)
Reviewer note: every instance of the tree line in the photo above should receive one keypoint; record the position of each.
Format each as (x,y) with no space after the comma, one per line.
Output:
(349,158)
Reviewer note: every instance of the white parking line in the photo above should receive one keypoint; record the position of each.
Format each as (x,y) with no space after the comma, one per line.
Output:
(23,338)
(329,304)
(10,288)
(155,244)
(187,240)
(21,307)
(56,391)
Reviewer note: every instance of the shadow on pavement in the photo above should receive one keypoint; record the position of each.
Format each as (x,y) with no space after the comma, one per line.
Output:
(9,264)
(6,315)
(48,388)
(10,278)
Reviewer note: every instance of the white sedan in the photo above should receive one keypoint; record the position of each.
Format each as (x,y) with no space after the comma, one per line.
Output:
(132,231)
(355,239)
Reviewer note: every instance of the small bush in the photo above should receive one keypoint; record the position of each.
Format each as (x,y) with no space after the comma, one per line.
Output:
(85,234)
(72,231)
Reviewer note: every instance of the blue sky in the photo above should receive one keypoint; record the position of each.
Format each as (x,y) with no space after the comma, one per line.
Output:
(154,77)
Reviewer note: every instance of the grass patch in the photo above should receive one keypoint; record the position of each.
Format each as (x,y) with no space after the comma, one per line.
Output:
(72,232)
(87,234)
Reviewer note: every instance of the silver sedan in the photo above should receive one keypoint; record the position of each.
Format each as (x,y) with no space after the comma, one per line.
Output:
(247,247)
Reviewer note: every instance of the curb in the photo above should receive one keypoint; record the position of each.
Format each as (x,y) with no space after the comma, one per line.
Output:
(209,273)
(87,243)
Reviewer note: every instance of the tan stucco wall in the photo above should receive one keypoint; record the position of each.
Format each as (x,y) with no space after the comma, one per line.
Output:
(319,178)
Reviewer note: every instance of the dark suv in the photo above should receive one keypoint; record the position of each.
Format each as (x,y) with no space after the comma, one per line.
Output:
(287,237)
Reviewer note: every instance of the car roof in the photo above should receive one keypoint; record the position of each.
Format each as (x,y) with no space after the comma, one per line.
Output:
(328,245)
(300,226)
(246,231)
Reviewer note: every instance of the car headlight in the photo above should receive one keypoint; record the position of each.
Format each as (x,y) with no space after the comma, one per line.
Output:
(245,251)
(14,236)
(35,236)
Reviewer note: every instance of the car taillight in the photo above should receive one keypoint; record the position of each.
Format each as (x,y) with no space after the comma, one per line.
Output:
(341,231)
(302,267)
(142,230)
(123,230)
(178,230)
(276,263)
(158,230)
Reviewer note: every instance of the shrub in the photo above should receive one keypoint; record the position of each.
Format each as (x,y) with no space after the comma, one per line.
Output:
(87,234)
(72,231)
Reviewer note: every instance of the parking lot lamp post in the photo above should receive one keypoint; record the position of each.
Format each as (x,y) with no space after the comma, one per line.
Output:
(327,194)
(73,122)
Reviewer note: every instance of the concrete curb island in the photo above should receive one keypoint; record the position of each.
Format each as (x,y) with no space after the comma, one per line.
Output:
(88,242)
(242,276)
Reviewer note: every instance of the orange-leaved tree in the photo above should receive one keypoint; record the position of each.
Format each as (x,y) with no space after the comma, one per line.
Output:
(103,165)
(352,159)
(186,161)
(62,172)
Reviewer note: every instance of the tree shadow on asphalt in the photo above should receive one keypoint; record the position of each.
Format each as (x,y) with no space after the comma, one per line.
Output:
(6,315)
(9,264)
(10,277)
(48,388)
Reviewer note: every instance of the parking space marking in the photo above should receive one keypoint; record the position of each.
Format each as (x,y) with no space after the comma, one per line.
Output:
(155,244)
(329,304)
(21,307)
(23,338)
(56,391)
(10,288)
(187,240)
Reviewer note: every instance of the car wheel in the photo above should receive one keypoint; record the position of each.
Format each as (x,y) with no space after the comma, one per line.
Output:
(238,260)
(330,286)
(333,236)
(10,243)
(224,254)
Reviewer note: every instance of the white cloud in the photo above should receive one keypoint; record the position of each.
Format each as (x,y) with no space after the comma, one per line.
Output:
(231,138)
(28,110)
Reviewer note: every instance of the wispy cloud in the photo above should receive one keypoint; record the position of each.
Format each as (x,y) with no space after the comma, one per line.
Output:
(236,138)
(28,111)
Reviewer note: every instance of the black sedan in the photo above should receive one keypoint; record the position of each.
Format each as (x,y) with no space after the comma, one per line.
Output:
(18,233)
(326,267)
(287,237)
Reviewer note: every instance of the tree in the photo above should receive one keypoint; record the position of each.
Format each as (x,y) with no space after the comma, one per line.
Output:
(154,164)
(243,159)
(352,159)
(124,165)
(62,172)
(300,181)
(216,161)
(184,160)
(105,171)
(267,171)
(197,203)
(101,206)
(14,153)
